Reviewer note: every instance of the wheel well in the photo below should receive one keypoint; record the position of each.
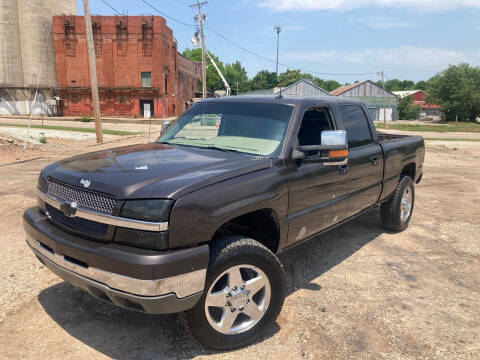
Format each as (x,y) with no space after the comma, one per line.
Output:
(409,170)
(261,225)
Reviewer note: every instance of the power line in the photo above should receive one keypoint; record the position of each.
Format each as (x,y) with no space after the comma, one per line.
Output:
(167,16)
(284,65)
(111,7)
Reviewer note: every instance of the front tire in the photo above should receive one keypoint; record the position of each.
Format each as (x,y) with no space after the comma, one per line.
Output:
(244,293)
(397,211)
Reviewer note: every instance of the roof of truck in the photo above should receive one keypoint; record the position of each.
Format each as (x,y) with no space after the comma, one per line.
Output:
(289,100)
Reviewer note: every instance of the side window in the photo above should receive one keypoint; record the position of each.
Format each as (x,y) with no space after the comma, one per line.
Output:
(313,123)
(356,125)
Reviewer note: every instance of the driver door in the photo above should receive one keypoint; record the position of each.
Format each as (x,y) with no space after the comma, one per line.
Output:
(317,192)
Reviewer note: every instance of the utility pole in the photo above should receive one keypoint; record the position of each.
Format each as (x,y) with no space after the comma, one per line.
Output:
(384,101)
(93,72)
(200,18)
(277,30)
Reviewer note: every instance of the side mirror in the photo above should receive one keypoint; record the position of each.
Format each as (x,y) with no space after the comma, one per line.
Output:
(333,150)
(165,125)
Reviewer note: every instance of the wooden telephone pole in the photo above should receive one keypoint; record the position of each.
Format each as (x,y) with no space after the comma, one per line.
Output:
(200,18)
(93,72)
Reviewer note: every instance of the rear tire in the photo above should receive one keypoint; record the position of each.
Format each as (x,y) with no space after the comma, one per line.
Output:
(244,293)
(397,211)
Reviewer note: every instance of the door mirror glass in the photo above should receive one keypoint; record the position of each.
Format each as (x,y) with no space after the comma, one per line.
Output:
(335,138)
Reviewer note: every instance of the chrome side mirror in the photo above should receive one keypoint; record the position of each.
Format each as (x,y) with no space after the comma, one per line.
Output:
(333,150)
(165,125)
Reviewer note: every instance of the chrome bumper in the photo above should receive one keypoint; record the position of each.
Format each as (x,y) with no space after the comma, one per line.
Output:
(181,285)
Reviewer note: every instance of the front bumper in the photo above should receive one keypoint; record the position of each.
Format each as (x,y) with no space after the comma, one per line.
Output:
(156,282)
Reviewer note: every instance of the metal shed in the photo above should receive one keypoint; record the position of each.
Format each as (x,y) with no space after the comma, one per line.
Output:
(372,95)
(302,87)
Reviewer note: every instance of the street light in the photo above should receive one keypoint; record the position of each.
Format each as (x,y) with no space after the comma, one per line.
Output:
(277,29)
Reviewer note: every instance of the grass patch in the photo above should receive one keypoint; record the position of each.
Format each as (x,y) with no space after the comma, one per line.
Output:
(43,139)
(77,129)
(451,139)
(442,128)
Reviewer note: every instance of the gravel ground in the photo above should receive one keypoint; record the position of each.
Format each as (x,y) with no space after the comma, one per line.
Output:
(34,135)
(356,292)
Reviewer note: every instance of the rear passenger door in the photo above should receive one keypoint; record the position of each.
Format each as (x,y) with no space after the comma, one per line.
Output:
(365,160)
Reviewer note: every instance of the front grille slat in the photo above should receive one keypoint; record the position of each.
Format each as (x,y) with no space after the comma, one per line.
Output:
(85,199)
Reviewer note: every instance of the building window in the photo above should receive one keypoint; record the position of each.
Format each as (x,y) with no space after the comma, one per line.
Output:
(146,79)
(147,39)
(166,84)
(122,39)
(70,40)
(97,39)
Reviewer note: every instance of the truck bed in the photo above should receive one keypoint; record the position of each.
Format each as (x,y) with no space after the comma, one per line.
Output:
(384,137)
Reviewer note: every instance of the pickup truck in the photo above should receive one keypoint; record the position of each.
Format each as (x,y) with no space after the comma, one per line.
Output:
(192,222)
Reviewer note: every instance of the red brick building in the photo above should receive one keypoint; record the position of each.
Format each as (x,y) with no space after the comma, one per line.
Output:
(419,97)
(140,72)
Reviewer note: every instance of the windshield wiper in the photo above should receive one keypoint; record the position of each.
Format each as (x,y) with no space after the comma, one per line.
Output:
(218,148)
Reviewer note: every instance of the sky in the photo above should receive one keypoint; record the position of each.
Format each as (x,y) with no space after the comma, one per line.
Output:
(344,40)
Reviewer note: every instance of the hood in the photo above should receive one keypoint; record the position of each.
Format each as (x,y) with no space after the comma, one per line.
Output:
(152,170)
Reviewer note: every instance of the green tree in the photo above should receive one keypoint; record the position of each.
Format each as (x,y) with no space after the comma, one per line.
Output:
(407,109)
(457,89)
(214,82)
(264,80)
(421,85)
(235,74)
(289,77)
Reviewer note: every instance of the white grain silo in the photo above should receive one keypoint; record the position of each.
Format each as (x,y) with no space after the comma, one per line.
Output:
(27,53)
(35,23)
(11,71)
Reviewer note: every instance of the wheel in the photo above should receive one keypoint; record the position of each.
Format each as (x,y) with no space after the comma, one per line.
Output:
(244,293)
(397,211)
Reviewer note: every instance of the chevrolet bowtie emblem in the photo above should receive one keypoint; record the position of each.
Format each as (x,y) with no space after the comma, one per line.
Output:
(86,183)
(69,208)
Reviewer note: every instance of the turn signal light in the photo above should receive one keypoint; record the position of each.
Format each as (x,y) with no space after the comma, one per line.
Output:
(338,153)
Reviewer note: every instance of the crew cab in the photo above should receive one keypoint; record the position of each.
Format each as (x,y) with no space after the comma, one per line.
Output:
(193,222)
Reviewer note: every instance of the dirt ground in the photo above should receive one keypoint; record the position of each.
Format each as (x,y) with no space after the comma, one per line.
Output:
(356,292)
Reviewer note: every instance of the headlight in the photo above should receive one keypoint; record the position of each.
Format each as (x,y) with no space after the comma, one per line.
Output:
(147,210)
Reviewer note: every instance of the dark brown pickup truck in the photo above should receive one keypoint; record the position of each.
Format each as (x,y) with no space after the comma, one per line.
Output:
(192,222)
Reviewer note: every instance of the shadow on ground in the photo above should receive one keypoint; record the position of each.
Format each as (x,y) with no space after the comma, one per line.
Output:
(124,334)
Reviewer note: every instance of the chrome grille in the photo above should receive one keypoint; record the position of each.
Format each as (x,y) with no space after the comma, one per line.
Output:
(85,199)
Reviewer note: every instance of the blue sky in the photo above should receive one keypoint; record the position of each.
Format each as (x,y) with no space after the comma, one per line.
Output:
(408,39)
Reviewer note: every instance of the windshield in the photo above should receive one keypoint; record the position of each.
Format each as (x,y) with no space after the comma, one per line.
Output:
(247,127)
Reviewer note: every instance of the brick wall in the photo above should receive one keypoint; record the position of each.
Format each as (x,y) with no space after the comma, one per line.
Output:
(125,47)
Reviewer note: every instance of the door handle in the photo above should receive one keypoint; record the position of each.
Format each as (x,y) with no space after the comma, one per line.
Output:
(343,169)
(374,160)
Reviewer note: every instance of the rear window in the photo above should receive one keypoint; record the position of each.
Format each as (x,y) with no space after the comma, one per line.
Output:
(356,124)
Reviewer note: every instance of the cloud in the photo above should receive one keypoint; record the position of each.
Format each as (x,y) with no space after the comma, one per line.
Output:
(381,22)
(404,57)
(286,5)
